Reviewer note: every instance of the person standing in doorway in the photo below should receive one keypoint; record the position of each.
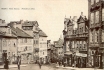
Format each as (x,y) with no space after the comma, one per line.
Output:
(18,62)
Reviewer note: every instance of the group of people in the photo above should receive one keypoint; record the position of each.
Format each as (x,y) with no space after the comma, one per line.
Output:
(6,63)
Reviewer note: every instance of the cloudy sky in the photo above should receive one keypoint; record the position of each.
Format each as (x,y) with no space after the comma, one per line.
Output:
(50,14)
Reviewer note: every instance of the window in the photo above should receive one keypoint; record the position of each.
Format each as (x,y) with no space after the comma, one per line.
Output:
(82,29)
(97,1)
(91,36)
(92,18)
(103,34)
(97,17)
(97,35)
(103,14)
(92,2)
(36,41)
(43,53)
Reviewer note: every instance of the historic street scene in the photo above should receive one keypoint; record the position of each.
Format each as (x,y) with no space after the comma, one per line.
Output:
(63,35)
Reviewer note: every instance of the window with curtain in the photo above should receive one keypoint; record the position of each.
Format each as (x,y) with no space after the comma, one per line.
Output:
(97,17)
(103,14)
(92,18)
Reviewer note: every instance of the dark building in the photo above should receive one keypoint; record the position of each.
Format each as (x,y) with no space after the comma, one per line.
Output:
(96,33)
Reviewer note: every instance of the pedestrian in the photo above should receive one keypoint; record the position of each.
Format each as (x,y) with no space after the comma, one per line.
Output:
(18,62)
(6,66)
(39,64)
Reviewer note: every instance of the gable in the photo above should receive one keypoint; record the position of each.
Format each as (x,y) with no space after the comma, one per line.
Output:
(81,19)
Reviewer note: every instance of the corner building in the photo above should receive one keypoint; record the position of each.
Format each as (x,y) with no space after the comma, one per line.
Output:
(96,33)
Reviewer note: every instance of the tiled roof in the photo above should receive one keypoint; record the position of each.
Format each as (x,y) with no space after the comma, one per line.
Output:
(20,33)
(6,35)
(42,34)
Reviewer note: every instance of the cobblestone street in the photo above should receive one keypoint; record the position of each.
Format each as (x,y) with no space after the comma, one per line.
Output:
(48,67)
(36,67)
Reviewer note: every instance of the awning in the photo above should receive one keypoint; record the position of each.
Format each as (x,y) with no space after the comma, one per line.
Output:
(81,54)
(68,53)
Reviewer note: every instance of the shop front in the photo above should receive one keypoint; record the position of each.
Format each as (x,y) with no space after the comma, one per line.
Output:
(81,59)
(68,58)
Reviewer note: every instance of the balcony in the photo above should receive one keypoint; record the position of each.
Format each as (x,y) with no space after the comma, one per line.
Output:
(68,36)
(94,45)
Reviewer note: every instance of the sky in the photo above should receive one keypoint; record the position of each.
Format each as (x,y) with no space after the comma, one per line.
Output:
(50,14)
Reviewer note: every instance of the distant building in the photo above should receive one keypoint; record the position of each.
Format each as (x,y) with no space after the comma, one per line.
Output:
(49,51)
(42,46)
(59,49)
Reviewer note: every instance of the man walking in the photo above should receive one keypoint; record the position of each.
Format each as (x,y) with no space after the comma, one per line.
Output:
(39,64)
(18,62)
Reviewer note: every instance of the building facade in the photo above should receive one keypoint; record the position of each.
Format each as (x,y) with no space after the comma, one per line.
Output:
(75,41)
(96,35)
(49,51)
(8,42)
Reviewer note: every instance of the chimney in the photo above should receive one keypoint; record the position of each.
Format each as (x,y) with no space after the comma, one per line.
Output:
(0,21)
(21,21)
(81,13)
(3,21)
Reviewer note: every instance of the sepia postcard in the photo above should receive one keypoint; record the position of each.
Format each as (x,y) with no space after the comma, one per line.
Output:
(51,34)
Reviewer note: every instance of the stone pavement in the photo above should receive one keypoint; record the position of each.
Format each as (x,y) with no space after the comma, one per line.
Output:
(74,68)
(12,66)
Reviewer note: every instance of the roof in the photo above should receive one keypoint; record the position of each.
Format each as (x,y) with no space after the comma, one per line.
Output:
(3,34)
(42,34)
(29,23)
(59,43)
(83,18)
(20,33)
